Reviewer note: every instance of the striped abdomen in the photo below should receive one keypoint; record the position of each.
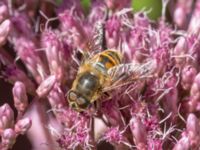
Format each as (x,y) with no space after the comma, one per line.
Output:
(107,59)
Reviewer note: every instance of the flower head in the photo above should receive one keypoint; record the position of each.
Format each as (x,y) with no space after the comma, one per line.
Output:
(151,100)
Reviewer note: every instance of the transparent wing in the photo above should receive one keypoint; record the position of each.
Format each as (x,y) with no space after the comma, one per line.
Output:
(125,74)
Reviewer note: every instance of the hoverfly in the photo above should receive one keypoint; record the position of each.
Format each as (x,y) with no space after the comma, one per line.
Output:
(102,72)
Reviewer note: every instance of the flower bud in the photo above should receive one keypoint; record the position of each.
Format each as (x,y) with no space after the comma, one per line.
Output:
(54,52)
(179,16)
(5,28)
(70,23)
(139,132)
(141,20)
(46,86)
(193,129)
(98,11)
(194,94)
(117,4)
(112,113)
(182,144)
(194,24)
(22,25)
(8,138)
(56,97)
(188,74)
(6,117)
(171,98)
(22,126)
(180,49)
(20,97)
(136,42)
(112,27)
(182,10)
(3,12)
(192,124)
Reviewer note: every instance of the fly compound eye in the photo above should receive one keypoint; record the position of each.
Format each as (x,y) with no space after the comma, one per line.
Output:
(81,101)
(72,96)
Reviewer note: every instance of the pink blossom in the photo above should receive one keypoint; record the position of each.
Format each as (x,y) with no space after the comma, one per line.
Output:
(139,133)
(5,28)
(3,12)
(8,139)
(46,86)
(22,126)
(182,12)
(7,117)
(20,96)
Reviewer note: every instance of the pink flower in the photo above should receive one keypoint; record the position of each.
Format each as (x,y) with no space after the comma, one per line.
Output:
(7,117)
(22,126)
(8,139)
(20,97)
(139,133)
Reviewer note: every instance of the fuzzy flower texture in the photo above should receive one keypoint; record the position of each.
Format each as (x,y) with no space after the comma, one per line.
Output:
(41,47)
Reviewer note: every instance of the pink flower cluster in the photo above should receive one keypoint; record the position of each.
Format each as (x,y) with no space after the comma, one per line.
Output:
(40,45)
(9,127)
